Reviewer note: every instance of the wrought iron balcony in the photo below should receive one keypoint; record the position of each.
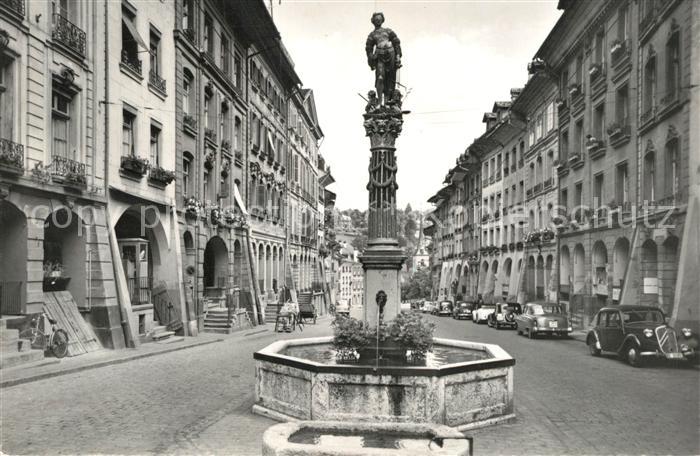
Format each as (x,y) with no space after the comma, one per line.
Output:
(14,6)
(73,173)
(156,81)
(11,156)
(68,34)
(131,62)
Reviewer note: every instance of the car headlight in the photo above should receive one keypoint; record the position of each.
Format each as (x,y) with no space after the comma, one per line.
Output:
(648,333)
(686,332)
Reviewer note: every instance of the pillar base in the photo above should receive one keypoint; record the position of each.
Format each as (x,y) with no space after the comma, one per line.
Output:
(382,261)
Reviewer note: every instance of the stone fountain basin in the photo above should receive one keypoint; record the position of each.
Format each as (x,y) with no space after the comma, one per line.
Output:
(462,395)
(278,440)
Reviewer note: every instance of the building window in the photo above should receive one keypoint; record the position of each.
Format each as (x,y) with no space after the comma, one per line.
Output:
(128,133)
(237,69)
(598,189)
(599,54)
(650,177)
(648,101)
(225,123)
(206,183)
(7,108)
(565,198)
(672,179)
(155,52)
(208,35)
(673,73)
(622,23)
(578,194)
(237,134)
(187,91)
(224,58)
(130,40)
(579,69)
(187,14)
(61,126)
(155,145)
(622,105)
(186,173)
(549,118)
(578,137)
(599,121)
(207,105)
(564,84)
(622,184)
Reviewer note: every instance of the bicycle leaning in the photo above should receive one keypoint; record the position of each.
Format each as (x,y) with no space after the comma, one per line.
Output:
(55,341)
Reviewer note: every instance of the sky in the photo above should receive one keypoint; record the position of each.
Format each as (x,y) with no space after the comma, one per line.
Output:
(458,58)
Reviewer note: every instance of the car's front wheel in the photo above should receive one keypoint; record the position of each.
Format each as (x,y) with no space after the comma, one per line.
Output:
(595,351)
(633,356)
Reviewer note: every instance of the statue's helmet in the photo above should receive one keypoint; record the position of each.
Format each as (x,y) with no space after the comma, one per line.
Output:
(378,19)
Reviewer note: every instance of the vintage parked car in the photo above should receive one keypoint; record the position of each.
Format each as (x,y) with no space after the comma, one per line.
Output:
(342,307)
(504,315)
(542,319)
(444,309)
(427,307)
(481,314)
(463,310)
(636,333)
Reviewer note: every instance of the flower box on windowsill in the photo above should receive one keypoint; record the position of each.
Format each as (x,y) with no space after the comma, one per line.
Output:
(74,180)
(189,124)
(134,166)
(619,133)
(160,176)
(596,148)
(575,90)
(254,149)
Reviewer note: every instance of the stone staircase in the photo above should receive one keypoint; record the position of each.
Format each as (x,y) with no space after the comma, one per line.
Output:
(271,312)
(13,350)
(217,321)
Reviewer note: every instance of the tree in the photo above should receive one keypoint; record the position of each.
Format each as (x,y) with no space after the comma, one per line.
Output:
(409,209)
(418,286)
(409,229)
(360,242)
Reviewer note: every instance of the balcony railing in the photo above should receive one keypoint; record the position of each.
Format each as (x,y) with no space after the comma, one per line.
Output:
(11,156)
(72,172)
(548,183)
(190,34)
(131,62)
(14,6)
(68,34)
(618,49)
(156,81)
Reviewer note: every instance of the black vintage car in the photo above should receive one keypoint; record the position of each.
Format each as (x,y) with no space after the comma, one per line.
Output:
(637,333)
(504,316)
(463,310)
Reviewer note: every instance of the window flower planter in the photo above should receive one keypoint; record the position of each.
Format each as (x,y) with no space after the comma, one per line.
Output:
(134,165)
(161,176)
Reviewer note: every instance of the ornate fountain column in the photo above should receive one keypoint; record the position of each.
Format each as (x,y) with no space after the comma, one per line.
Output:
(383,258)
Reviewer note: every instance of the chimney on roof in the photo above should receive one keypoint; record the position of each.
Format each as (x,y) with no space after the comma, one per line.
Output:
(515,93)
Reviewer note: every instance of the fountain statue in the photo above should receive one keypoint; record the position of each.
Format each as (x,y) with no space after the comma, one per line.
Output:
(383,259)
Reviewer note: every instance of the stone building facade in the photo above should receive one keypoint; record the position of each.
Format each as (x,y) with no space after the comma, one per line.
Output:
(606,168)
(53,205)
(624,75)
(143,162)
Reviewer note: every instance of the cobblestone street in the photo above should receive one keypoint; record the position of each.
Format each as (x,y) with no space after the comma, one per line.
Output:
(198,401)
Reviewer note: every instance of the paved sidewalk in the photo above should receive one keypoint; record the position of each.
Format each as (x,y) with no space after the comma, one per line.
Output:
(52,367)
